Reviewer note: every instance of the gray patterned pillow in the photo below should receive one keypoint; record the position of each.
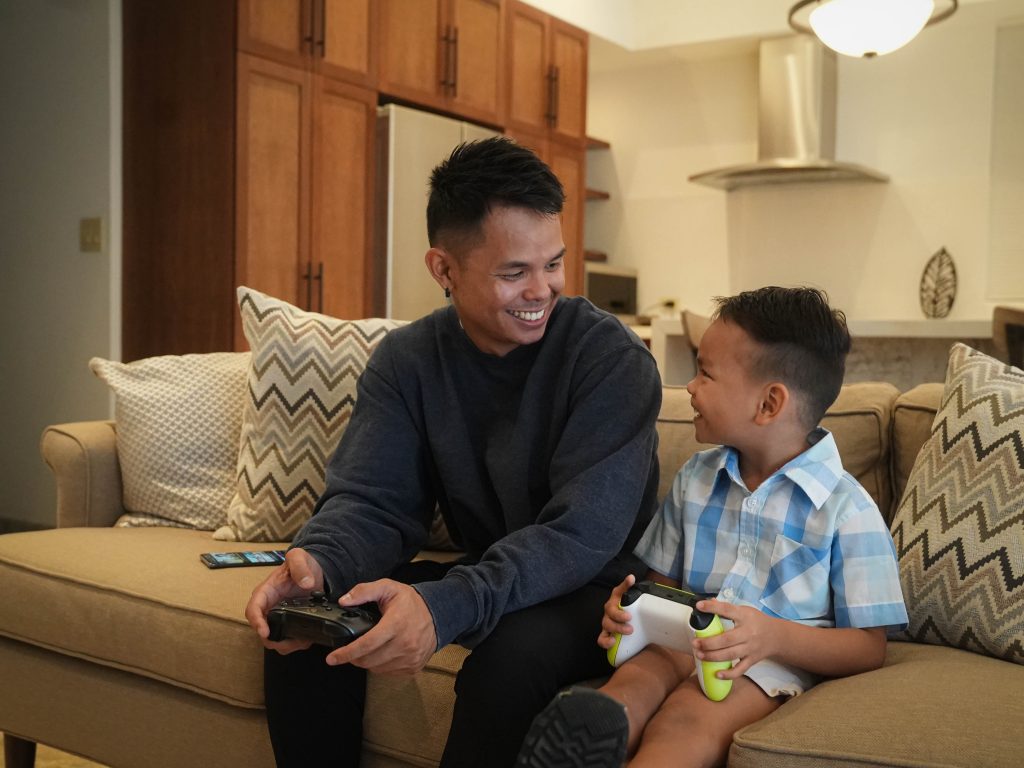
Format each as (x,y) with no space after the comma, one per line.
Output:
(959,529)
(301,389)
(178,421)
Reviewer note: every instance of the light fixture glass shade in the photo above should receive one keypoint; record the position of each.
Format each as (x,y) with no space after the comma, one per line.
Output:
(869,27)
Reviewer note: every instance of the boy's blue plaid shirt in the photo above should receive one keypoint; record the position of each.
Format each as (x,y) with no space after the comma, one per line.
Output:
(809,545)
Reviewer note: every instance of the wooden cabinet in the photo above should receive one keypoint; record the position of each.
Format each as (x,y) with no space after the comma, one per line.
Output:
(568,162)
(238,169)
(547,75)
(334,37)
(444,54)
(303,187)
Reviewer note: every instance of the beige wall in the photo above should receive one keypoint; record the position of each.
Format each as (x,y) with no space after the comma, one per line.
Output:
(922,115)
(60,162)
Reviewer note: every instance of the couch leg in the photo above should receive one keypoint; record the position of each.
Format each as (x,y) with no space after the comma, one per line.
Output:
(19,753)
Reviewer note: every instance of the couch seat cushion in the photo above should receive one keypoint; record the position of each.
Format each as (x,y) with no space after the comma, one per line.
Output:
(928,706)
(136,599)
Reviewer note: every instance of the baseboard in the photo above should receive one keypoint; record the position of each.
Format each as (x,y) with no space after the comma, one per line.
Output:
(17,526)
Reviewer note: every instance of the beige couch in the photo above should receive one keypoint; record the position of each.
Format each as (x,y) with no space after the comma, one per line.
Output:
(117,644)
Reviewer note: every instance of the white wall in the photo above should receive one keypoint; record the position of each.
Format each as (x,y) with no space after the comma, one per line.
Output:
(60,96)
(922,115)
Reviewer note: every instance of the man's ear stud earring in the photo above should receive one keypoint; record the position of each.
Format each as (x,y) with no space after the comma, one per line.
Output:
(447,293)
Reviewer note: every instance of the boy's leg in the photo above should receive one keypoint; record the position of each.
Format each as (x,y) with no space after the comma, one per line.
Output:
(516,670)
(600,727)
(644,682)
(691,730)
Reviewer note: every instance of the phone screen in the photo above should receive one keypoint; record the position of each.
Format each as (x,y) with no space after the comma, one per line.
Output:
(242,559)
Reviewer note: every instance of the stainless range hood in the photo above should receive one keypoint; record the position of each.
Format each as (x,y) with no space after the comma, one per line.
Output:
(796,121)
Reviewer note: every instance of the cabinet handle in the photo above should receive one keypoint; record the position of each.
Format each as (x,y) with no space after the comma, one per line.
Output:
(455,61)
(322,41)
(445,64)
(550,114)
(555,87)
(308,22)
(307,277)
(319,287)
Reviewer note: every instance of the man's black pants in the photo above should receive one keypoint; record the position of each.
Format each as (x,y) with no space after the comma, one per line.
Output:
(313,709)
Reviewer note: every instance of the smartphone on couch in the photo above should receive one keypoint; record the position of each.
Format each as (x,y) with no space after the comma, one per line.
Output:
(242,559)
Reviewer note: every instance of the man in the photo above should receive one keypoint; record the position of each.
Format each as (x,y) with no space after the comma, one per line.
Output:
(529,421)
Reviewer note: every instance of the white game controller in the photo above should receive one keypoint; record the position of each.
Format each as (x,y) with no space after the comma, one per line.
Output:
(667,616)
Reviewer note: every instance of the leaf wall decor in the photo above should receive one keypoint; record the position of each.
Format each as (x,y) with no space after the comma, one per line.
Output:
(938,285)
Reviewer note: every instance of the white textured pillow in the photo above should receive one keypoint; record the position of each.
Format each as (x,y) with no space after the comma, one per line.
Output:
(178,423)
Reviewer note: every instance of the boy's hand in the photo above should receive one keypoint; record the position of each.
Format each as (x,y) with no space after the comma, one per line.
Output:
(751,639)
(616,620)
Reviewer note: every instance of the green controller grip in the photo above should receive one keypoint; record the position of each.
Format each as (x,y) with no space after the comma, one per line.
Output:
(713,688)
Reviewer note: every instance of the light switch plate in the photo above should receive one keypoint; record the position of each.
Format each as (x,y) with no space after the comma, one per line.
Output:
(90,235)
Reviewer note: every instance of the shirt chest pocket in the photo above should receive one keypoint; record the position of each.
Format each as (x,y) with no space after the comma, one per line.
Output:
(798,581)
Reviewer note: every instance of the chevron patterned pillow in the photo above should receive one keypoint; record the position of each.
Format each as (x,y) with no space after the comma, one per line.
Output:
(959,529)
(302,386)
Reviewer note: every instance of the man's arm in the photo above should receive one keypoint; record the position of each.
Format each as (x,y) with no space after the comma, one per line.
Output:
(376,508)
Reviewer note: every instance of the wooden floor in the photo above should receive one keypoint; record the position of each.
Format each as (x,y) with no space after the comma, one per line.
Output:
(52,758)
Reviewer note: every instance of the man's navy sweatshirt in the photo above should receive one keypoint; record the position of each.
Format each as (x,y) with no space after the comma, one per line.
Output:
(543,464)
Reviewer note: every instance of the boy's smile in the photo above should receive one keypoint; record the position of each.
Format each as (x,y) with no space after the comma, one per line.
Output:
(725,399)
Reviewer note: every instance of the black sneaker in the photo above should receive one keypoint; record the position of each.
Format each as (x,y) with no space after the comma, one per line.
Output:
(580,728)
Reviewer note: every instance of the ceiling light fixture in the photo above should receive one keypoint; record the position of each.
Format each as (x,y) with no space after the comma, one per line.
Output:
(867,27)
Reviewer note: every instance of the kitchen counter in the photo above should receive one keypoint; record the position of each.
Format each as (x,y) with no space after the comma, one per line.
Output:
(904,352)
(929,329)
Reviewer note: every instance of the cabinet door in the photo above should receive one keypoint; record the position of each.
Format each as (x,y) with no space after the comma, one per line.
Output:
(272,178)
(412,52)
(527,69)
(343,162)
(569,61)
(568,162)
(277,29)
(346,40)
(476,60)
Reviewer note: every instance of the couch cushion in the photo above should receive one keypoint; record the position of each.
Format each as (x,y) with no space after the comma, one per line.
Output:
(301,389)
(959,530)
(912,419)
(911,712)
(859,419)
(136,599)
(178,420)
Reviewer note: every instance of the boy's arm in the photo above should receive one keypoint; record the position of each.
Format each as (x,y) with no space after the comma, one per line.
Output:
(825,651)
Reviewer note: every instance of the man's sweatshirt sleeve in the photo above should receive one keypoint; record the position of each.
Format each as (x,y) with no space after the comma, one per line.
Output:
(377,507)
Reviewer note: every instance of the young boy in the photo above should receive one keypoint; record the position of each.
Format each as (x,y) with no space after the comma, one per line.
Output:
(793,549)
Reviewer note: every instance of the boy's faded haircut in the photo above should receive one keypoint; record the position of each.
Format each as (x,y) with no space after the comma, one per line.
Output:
(804,342)
(481,174)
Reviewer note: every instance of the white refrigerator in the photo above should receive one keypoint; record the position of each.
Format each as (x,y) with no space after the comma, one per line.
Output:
(410,143)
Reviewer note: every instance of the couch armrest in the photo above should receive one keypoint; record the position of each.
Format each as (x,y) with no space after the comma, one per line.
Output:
(83,458)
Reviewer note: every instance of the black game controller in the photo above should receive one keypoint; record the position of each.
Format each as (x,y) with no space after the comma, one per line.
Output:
(316,619)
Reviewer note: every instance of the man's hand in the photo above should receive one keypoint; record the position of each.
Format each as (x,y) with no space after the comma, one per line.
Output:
(616,620)
(299,575)
(402,642)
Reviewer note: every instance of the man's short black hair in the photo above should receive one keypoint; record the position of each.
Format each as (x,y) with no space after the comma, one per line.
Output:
(479,175)
(804,341)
